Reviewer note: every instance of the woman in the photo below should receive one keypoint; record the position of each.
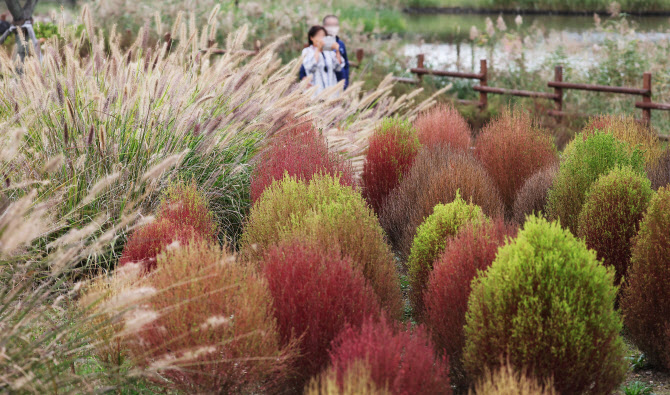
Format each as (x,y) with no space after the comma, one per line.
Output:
(319,62)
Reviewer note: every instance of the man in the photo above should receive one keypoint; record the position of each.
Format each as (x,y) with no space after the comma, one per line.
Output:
(332,25)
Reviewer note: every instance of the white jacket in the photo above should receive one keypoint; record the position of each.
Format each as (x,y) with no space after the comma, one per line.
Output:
(323,70)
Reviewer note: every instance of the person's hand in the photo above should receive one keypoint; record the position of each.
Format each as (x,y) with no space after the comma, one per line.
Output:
(335,46)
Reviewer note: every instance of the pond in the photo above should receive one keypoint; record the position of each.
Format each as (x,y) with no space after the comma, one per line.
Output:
(447,45)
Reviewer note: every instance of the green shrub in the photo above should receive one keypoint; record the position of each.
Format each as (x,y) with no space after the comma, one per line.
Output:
(584,160)
(431,238)
(627,130)
(611,216)
(325,212)
(646,299)
(547,305)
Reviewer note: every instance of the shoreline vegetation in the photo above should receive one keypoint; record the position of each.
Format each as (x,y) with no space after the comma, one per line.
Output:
(555,7)
(419,10)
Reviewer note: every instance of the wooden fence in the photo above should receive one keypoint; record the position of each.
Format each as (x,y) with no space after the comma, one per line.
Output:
(645,104)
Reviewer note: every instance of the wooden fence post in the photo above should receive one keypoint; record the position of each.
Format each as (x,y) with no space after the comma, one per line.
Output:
(359,55)
(646,112)
(483,71)
(419,64)
(558,77)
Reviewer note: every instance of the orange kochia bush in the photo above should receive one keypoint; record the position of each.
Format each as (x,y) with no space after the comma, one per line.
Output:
(512,149)
(443,126)
(213,328)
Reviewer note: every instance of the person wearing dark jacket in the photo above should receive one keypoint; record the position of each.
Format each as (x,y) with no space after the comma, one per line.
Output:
(332,25)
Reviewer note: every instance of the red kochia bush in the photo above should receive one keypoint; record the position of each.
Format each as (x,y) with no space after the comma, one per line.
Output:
(183,216)
(646,300)
(184,205)
(512,149)
(301,152)
(316,293)
(401,360)
(391,152)
(446,297)
(443,126)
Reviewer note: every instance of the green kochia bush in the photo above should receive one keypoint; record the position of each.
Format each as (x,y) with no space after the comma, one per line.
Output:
(325,212)
(646,299)
(547,305)
(430,240)
(611,216)
(584,160)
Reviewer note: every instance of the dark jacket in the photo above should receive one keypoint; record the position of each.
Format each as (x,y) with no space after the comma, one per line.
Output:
(342,74)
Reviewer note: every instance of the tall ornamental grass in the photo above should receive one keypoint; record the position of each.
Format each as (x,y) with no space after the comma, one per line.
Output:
(106,119)
(87,145)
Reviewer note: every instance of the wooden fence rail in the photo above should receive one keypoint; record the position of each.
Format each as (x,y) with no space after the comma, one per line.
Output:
(646,105)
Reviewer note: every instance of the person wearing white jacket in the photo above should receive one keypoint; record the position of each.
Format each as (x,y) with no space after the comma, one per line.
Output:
(321,59)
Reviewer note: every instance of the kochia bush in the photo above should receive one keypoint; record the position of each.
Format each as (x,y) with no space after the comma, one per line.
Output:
(547,305)
(659,171)
(214,329)
(183,216)
(584,160)
(627,130)
(391,152)
(448,289)
(431,238)
(183,204)
(326,213)
(444,126)
(316,293)
(646,300)
(611,215)
(301,152)
(436,176)
(512,149)
(532,197)
(400,360)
